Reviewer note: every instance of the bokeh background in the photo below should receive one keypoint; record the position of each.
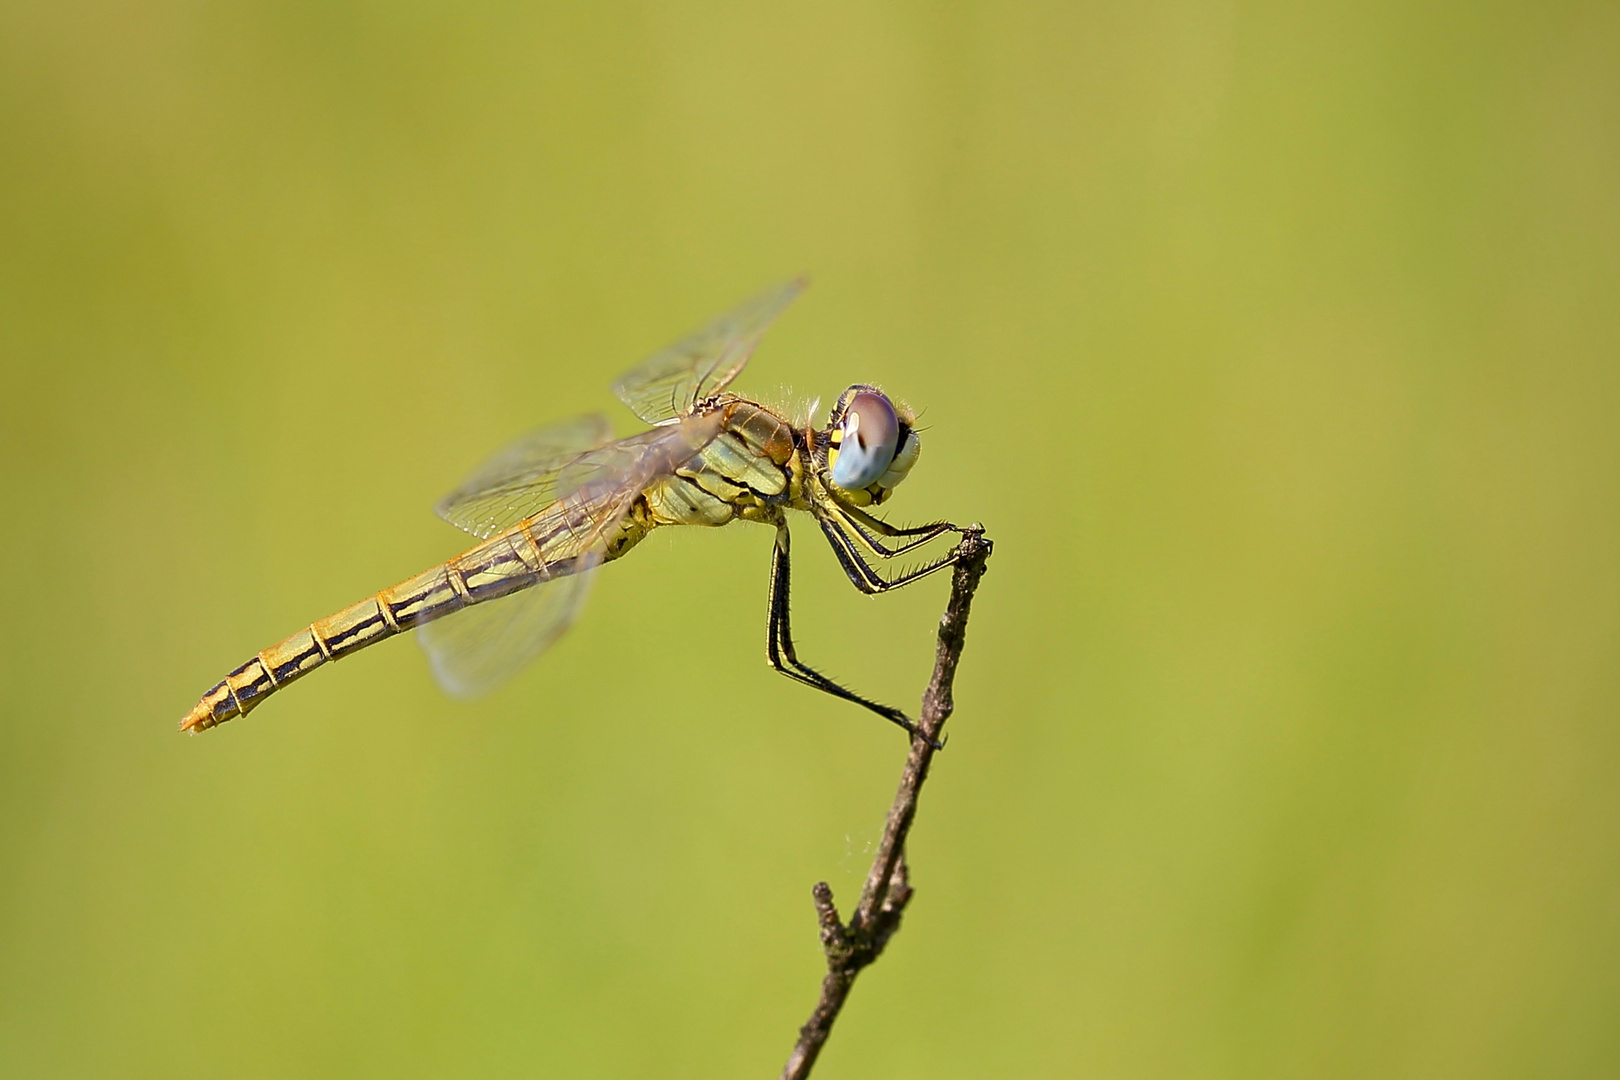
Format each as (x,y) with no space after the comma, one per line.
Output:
(1276,345)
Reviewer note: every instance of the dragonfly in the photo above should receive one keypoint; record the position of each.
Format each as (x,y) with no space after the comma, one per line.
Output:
(551,508)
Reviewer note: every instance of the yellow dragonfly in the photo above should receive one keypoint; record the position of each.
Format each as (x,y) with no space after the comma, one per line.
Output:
(559,502)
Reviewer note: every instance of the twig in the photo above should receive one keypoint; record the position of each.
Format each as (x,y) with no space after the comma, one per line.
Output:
(888,887)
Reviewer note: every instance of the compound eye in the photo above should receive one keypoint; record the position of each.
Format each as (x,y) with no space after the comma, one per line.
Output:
(870,433)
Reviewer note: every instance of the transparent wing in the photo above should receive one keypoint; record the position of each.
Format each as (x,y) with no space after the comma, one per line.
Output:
(623,468)
(479,647)
(475,650)
(520,480)
(669,384)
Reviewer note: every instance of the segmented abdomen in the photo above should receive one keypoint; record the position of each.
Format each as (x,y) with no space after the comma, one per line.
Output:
(499,566)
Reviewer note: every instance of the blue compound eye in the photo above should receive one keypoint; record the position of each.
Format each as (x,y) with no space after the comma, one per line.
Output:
(870,432)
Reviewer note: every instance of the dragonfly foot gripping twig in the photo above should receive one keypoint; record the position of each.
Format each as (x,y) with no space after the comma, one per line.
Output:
(851,947)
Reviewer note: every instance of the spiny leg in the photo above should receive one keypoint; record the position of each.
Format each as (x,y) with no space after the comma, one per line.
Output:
(779,649)
(862,575)
(864,525)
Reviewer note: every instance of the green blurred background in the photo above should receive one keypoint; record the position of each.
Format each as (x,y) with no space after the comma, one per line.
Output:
(1276,346)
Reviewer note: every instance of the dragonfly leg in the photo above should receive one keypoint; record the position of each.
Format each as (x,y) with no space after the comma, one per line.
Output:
(865,525)
(861,573)
(779,649)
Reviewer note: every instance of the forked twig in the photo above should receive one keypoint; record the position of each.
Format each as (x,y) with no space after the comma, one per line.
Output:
(849,948)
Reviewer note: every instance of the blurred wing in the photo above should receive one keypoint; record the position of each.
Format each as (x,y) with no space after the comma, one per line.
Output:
(622,469)
(669,384)
(520,480)
(479,647)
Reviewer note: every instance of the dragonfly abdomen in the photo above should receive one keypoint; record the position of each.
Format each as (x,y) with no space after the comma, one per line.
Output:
(498,567)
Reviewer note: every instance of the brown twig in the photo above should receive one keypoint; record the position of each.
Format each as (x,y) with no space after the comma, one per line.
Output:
(888,888)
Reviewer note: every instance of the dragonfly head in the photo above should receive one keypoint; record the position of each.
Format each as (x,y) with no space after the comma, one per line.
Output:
(871,445)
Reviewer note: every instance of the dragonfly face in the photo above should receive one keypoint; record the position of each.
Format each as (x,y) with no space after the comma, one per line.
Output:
(871,444)
(562,501)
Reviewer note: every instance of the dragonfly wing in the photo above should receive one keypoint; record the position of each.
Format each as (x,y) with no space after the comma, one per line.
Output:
(520,480)
(479,647)
(626,466)
(670,383)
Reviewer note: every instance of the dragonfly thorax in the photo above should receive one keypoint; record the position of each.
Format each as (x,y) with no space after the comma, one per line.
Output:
(871,444)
